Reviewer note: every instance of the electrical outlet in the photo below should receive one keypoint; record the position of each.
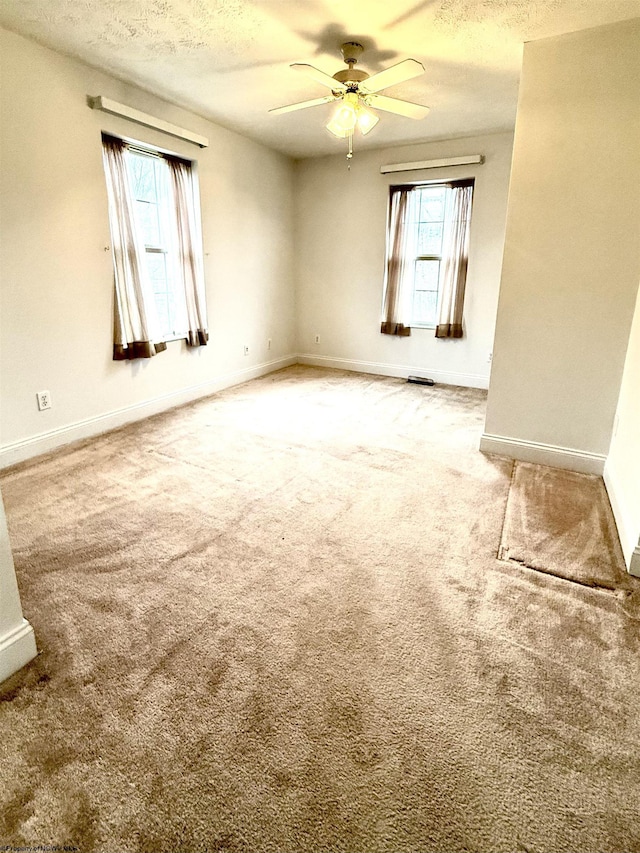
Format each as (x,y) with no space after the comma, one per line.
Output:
(268,343)
(317,339)
(44,400)
(246,350)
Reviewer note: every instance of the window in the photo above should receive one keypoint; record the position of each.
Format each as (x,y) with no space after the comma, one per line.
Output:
(150,181)
(427,249)
(156,248)
(427,220)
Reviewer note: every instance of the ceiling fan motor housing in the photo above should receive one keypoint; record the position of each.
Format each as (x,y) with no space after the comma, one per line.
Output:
(350,75)
(351,51)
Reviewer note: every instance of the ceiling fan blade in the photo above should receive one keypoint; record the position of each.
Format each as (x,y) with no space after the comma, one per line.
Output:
(395,105)
(404,70)
(319,76)
(303,105)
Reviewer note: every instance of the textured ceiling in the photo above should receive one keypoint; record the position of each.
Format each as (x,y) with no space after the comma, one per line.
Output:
(229,60)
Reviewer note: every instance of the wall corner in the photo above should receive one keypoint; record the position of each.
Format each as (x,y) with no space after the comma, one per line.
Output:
(634,565)
(17,640)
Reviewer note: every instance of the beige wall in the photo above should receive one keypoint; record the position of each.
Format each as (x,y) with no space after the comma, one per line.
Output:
(572,251)
(56,296)
(340,240)
(622,472)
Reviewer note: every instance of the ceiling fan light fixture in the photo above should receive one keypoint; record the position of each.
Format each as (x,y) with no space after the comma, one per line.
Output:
(350,115)
(345,118)
(337,131)
(367,119)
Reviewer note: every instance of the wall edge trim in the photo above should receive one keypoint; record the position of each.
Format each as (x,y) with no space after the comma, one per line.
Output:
(20,451)
(400,371)
(623,519)
(17,648)
(553,455)
(634,565)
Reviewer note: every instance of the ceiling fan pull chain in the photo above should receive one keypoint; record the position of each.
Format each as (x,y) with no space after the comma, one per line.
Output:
(350,154)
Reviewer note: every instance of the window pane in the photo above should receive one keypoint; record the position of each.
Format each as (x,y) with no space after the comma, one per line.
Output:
(432,204)
(425,303)
(144,177)
(162,310)
(425,292)
(430,238)
(147,216)
(157,269)
(427,275)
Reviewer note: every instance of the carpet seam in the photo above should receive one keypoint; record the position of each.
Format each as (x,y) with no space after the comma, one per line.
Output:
(499,552)
(594,586)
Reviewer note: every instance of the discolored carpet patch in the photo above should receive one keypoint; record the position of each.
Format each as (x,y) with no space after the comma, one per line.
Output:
(560,522)
(273,620)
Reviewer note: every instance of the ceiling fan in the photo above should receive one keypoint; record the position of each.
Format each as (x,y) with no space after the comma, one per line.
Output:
(357,91)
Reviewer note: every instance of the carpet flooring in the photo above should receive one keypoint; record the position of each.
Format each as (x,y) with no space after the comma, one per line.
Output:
(560,522)
(275,620)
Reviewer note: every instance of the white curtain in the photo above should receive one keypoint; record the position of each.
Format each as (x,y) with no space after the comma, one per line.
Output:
(135,333)
(396,306)
(189,239)
(455,256)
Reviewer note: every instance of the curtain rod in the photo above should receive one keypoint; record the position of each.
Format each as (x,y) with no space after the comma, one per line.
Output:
(116,109)
(469,160)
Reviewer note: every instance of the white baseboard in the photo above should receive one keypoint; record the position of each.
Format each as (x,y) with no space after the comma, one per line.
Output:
(18,451)
(543,454)
(401,371)
(634,565)
(17,648)
(626,524)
